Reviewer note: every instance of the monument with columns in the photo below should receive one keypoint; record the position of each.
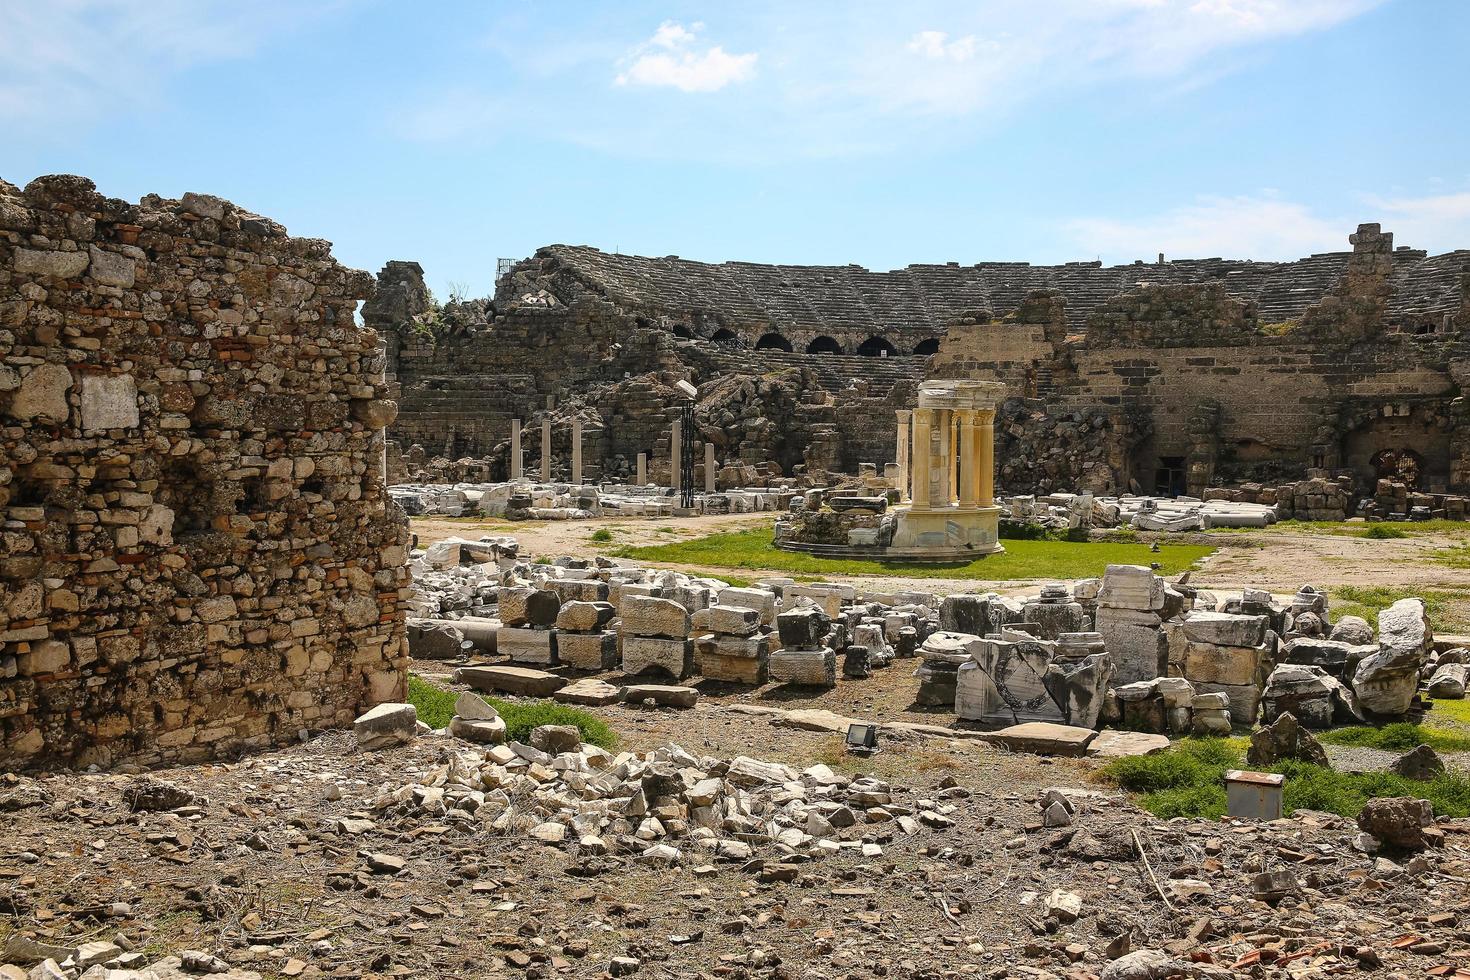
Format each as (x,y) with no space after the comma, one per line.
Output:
(946,456)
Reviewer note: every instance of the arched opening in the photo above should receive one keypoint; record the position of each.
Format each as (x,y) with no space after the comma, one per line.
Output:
(876,347)
(823,345)
(926,347)
(682,331)
(725,336)
(1400,465)
(773,341)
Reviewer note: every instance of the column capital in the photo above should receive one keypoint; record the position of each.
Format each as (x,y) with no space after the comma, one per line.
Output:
(903,414)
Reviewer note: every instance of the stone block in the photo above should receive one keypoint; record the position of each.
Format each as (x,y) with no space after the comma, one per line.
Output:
(435,639)
(1043,738)
(732,620)
(663,695)
(760,600)
(584,617)
(1131,587)
(1245,699)
(802,628)
(805,667)
(1225,629)
(109,401)
(673,657)
(736,670)
(1216,664)
(527,646)
(647,616)
(1136,643)
(511,680)
(589,691)
(587,651)
(385,726)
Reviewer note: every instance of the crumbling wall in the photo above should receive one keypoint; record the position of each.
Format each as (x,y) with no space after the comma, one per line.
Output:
(198,555)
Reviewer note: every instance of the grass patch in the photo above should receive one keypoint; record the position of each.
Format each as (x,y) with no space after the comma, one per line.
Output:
(1022,559)
(1188,780)
(1368,601)
(601,534)
(1398,737)
(1384,532)
(435,706)
(1455,556)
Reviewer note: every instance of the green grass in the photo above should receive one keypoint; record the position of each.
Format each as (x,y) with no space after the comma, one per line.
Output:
(435,706)
(601,534)
(1383,532)
(1022,559)
(1455,556)
(1397,737)
(1188,780)
(1357,529)
(1368,601)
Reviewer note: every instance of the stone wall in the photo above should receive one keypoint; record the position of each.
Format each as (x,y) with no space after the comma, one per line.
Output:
(199,557)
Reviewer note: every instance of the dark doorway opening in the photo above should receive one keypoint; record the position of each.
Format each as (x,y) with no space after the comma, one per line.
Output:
(876,347)
(927,347)
(823,345)
(773,341)
(1169,480)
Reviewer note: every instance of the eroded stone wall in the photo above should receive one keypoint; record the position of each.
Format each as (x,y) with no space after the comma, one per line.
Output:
(198,556)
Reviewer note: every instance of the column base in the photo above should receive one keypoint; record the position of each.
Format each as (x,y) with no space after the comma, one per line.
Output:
(970,531)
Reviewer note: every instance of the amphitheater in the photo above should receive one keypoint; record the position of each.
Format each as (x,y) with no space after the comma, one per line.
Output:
(1170,376)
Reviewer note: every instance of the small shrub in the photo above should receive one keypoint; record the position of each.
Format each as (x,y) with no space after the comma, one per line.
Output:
(543,560)
(1383,532)
(602,534)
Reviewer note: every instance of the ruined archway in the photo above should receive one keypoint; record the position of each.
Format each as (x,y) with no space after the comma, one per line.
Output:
(773,341)
(725,336)
(824,345)
(876,347)
(1400,465)
(926,347)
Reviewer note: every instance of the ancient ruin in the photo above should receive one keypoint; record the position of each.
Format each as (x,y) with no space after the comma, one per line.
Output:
(199,556)
(1327,383)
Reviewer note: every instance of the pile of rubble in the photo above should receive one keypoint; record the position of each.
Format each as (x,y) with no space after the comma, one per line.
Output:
(667,806)
(525,500)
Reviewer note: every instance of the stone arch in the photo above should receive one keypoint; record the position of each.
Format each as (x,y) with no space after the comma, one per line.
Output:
(926,347)
(876,347)
(725,335)
(773,341)
(680,330)
(824,345)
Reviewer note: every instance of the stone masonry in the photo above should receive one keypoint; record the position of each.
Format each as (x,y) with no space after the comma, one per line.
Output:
(198,554)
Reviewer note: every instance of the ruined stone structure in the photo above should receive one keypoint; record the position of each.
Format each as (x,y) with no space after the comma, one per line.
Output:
(1168,377)
(198,555)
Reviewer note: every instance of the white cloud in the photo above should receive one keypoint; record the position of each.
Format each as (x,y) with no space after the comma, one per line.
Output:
(936,45)
(671,58)
(66,61)
(1267,226)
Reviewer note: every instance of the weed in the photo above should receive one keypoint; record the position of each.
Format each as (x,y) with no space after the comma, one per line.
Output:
(1383,532)
(602,534)
(435,706)
(1397,737)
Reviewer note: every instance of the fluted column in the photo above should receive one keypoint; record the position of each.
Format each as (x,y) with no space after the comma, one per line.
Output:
(902,456)
(985,457)
(516,460)
(944,421)
(969,454)
(955,449)
(920,473)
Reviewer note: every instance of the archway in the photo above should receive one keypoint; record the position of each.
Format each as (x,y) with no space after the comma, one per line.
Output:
(725,336)
(682,331)
(824,345)
(876,347)
(1400,465)
(773,341)
(926,347)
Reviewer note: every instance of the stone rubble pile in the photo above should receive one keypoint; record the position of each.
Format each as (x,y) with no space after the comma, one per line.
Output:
(668,806)
(524,500)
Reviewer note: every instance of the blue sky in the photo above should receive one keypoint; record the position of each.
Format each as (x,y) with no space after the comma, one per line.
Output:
(454,133)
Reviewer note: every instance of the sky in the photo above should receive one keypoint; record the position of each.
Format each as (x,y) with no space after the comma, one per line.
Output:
(882,134)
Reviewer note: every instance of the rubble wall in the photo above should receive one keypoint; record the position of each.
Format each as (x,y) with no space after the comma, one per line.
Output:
(199,556)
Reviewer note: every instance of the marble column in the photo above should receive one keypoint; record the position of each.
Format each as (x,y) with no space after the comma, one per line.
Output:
(546,450)
(709,467)
(955,449)
(902,457)
(969,456)
(515,449)
(923,419)
(643,469)
(676,441)
(944,422)
(576,452)
(985,457)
